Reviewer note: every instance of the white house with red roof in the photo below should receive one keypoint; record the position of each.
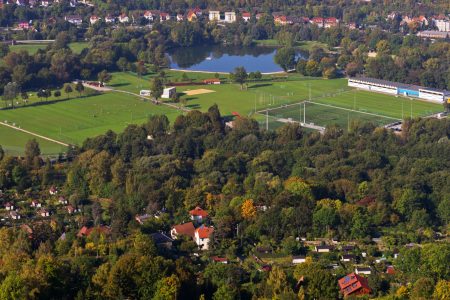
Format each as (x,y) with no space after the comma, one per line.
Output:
(94,19)
(246,16)
(123,18)
(110,19)
(180,18)
(163,16)
(35,203)
(203,237)
(151,15)
(198,214)
(9,206)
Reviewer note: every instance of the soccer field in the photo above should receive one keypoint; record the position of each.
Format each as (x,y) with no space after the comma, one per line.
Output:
(343,106)
(324,114)
(75,120)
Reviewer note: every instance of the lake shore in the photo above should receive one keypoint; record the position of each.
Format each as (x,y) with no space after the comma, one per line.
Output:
(222,73)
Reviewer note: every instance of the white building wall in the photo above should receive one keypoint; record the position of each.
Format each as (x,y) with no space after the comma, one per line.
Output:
(442,25)
(431,97)
(374,88)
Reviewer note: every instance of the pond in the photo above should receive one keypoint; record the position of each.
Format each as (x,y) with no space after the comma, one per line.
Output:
(219,58)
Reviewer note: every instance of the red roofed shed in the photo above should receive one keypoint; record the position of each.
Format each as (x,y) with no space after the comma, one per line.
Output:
(353,284)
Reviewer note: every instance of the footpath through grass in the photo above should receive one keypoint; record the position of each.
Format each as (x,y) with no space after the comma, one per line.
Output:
(14,141)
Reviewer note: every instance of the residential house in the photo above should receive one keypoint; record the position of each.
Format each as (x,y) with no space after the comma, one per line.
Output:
(169,93)
(187,229)
(351,25)
(246,16)
(45,3)
(203,237)
(198,214)
(151,15)
(161,240)
(54,190)
(280,20)
(230,17)
(75,20)
(123,18)
(142,218)
(442,24)
(14,215)
(298,260)
(331,22)
(191,16)
(180,18)
(9,206)
(323,249)
(220,260)
(36,204)
(71,210)
(62,200)
(390,270)
(347,258)
(87,231)
(44,213)
(392,16)
(212,81)
(354,285)
(363,270)
(94,19)
(163,16)
(259,16)
(214,15)
(21,2)
(24,25)
(110,19)
(194,14)
(317,21)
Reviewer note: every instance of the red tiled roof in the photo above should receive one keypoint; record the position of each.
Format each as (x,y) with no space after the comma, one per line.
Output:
(219,259)
(185,229)
(85,231)
(199,212)
(246,14)
(204,232)
(390,270)
(353,284)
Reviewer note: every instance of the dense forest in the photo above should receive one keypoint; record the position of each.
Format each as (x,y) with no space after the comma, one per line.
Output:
(262,190)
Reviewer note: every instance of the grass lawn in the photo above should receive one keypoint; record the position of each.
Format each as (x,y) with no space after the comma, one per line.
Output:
(76,47)
(74,120)
(34,99)
(230,98)
(303,45)
(13,142)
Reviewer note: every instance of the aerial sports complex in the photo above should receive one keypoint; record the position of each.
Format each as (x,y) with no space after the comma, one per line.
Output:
(395,88)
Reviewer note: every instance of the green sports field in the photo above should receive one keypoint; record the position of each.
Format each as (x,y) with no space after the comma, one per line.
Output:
(13,142)
(74,120)
(76,47)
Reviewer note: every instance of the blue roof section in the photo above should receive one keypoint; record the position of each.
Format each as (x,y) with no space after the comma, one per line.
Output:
(398,85)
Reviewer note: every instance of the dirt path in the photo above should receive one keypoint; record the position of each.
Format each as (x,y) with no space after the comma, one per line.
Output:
(34,134)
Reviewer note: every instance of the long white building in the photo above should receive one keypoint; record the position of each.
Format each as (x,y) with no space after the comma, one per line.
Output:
(396,88)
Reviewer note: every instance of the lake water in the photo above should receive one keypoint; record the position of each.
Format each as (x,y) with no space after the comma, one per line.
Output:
(224,58)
